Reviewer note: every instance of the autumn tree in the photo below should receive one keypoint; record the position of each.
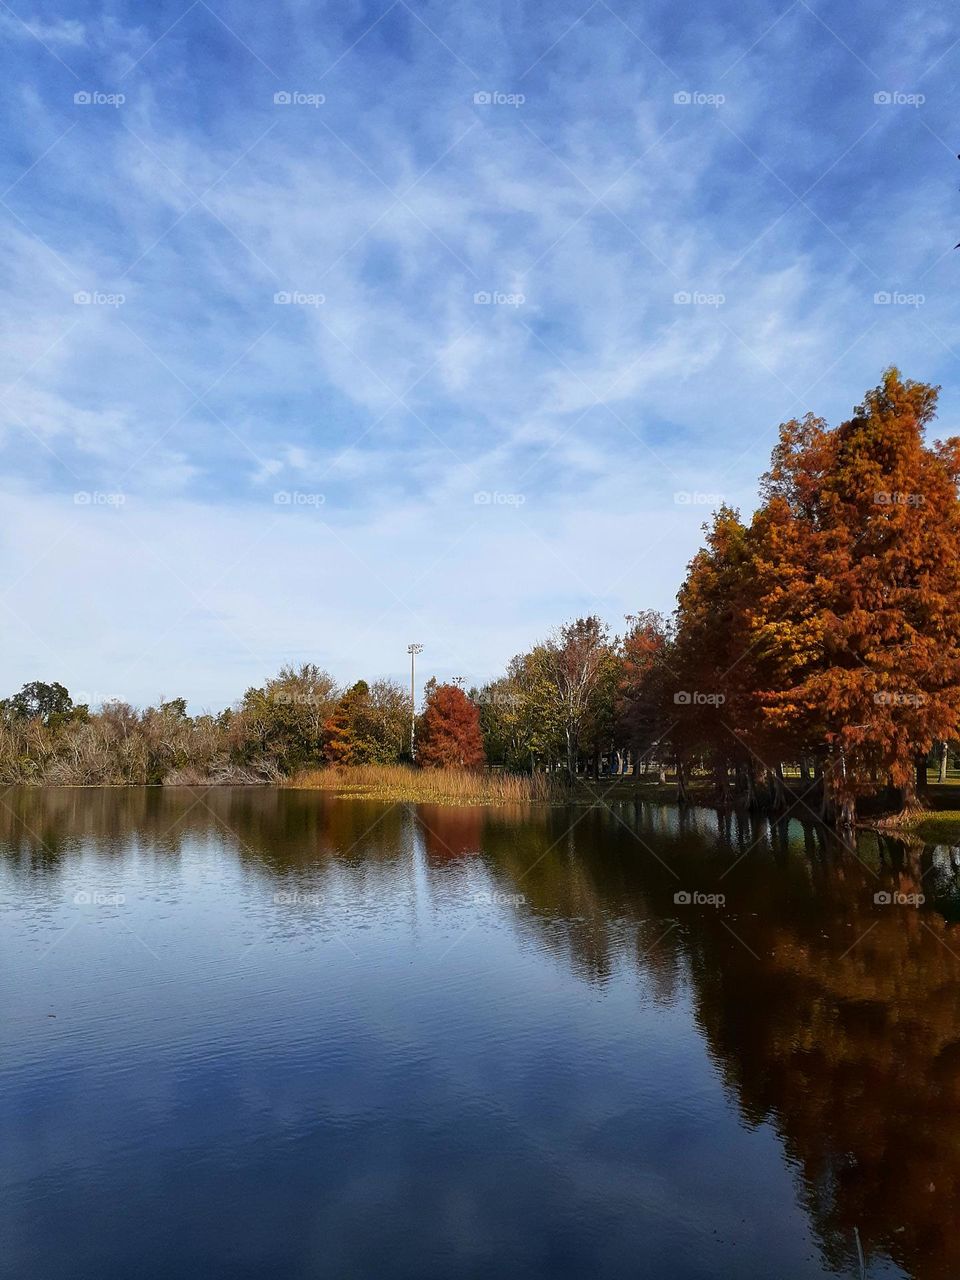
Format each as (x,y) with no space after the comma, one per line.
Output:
(643,673)
(784,616)
(575,663)
(857,607)
(448,732)
(284,719)
(504,721)
(710,658)
(342,743)
(368,725)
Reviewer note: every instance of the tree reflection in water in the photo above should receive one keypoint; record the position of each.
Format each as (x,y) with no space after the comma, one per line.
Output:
(832,1015)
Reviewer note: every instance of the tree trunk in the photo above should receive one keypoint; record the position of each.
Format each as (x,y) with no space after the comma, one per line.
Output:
(778,789)
(571,755)
(944,760)
(838,804)
(747,783)
(683,796)
(846,813)
(752,791)
(722,783)
(920,765)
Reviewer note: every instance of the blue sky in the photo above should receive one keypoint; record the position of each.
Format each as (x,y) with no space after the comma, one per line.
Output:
(682,216)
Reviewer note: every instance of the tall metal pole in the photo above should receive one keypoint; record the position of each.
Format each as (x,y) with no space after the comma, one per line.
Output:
(413,650)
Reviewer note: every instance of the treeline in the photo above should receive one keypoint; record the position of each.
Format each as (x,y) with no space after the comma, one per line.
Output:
(298,720)
(813,659)
(820,640)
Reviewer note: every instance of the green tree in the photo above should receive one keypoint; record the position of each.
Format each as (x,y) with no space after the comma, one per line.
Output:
(572,669)
(38,700)
(284,719)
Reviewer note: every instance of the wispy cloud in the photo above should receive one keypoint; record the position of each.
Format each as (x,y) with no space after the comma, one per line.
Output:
(401,255)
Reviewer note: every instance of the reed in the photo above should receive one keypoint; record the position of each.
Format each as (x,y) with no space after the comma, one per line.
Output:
(437,786)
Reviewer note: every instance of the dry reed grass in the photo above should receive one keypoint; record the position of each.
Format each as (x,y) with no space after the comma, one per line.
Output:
(436,786)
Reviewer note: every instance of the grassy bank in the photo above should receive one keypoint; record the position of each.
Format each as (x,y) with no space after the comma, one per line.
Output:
(429,786)
(932,826)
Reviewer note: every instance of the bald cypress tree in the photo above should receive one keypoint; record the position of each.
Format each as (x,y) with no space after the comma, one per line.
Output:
(857,609)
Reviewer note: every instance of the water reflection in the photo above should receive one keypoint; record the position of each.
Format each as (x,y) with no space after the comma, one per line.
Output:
(828,998)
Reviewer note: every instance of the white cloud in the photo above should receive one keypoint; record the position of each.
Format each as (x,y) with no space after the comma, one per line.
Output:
(498,397)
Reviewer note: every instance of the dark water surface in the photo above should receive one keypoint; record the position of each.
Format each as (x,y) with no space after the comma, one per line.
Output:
(271,1033)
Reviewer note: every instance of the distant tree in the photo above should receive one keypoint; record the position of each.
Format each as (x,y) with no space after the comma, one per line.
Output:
(38,700)
(448,733)
(343,740)
(369,725)
(501,704)
(598,732)
(387,722)
(572,666)
(642,717)
(710,658)
(284,719)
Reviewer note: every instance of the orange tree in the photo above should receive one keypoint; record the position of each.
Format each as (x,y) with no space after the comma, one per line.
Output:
(710,658)
(448,733)
(855,607)
(641,719)
(342,742)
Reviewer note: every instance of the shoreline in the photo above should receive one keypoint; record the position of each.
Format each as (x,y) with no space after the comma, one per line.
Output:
(935,825)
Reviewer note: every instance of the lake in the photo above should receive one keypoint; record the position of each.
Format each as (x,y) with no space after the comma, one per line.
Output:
(258,1032)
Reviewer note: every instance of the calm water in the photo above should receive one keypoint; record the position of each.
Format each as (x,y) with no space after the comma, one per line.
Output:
(259,1033)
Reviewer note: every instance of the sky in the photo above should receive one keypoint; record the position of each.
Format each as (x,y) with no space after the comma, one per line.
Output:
(334,327)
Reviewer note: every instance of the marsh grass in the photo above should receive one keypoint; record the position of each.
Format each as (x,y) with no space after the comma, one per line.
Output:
(933,826)
(436,786)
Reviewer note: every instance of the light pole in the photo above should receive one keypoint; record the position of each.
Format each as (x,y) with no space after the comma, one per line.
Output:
(413,650)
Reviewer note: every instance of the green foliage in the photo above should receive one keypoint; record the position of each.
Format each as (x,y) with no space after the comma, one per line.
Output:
(369,725)
(38,701)
(284,720)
